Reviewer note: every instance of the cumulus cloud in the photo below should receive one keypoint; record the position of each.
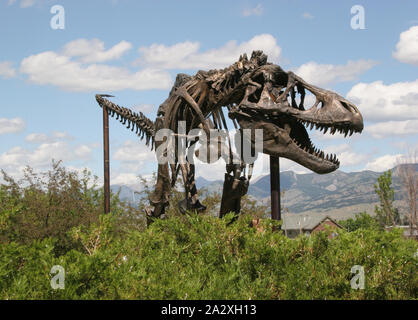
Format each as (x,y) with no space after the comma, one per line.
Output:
(255,11)
(83,152)
(23,3)
(383,163)
(307,15)
(392,128)
(346,155)
(94,50)
(134,155)
(36,138)
(6,70)
(123,178)
(14,125)
(145,108)
(325,74)
(380,102)
(186,55)
(42,137)
(407,46)
(39,157)
(51,68)
(134,151)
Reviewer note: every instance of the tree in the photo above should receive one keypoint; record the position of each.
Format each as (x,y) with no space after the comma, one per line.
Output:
(362,220)
(409,180)
(386,214)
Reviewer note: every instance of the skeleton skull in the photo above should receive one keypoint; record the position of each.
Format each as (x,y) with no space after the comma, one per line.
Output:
(270,103)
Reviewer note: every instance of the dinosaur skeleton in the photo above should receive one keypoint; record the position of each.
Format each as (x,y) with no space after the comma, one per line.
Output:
(257,95)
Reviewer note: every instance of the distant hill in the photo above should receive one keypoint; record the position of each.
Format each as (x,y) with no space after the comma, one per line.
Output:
(338,194)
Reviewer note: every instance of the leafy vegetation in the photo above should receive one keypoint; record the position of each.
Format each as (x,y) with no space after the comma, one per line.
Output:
(386,214)
(362,221)
(183,256)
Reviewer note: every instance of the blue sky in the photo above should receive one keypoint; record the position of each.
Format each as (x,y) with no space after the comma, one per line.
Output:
(134,49)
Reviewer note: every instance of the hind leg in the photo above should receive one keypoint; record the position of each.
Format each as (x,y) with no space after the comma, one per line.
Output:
(160,196)
(191,201)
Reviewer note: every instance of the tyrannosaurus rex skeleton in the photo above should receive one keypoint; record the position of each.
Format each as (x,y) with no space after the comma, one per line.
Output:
(257,95)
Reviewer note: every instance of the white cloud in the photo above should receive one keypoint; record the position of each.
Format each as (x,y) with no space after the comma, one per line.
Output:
(212,171)
(6,70)
(61,135)
(39,157)
(42,137)
(11,125)
(37,138)
(392,128)
(383,163)
(307,15)
(407,47)
(256,11)
(144,108)
(23,3)
(83,152)
(134,156)
(94,50)
(27,3)
(380,102)
(134,151)
(48,147)
(346,155)
(325,74)
(128,179)
(50,68)
(186,55)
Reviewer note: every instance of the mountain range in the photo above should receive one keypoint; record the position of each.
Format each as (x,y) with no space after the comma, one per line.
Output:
(337,194)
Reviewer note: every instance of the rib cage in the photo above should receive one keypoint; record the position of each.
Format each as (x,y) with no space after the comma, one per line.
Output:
(139,123)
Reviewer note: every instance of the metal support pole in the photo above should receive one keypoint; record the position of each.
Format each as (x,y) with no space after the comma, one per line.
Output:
(106,160)
(275,187)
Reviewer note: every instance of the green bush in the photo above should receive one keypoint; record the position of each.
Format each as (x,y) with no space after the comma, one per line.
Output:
(202,257)
(362,220)
(49,204)
(57,221)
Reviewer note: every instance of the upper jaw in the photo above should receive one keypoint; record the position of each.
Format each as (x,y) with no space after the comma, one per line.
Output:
(335,113)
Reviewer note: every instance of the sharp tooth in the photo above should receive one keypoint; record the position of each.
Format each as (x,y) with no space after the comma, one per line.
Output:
(345,134)
(333,130)
(326,158)
(326,129)
(351,132)
(322,154)
(312,125)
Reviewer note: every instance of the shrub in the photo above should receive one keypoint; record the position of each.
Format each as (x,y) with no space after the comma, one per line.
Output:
(362,220)
(203,257)
(184,256)
(49,204)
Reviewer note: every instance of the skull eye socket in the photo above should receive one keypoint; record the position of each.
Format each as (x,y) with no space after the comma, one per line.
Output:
(255,97)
